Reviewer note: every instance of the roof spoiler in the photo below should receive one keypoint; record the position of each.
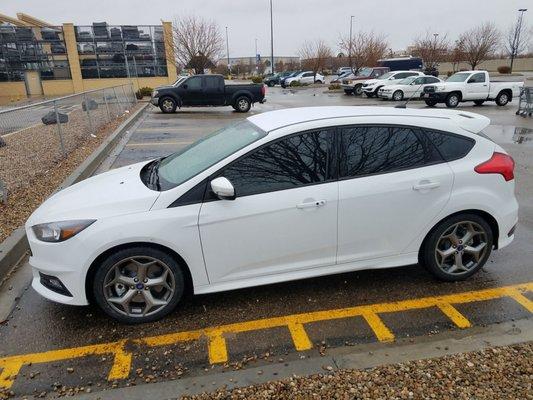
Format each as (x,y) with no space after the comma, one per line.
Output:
(469,121)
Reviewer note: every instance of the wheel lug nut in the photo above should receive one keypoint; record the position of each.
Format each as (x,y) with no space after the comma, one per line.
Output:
(135,280)
(132,287)
(145,280)
(146,288)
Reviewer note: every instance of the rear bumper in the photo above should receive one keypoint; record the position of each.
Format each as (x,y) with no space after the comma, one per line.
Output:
(263,101)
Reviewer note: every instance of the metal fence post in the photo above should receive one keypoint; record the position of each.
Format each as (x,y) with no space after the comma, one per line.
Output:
(91,129)
(107,107)
(58,124)
(116,99)
(135,100)
(125,96)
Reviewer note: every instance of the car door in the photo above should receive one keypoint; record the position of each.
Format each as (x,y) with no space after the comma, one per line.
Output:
(476,87)
(392,183)
(414,88)
(192,91)
(307,77)
(213,90)
(284,216)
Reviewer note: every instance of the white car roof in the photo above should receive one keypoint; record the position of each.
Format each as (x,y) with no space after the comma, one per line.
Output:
(272,120)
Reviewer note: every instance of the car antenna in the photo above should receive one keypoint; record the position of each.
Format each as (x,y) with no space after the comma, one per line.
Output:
(404,105)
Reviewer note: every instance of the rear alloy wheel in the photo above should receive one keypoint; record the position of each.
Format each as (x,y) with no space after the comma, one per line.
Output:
(242,104)
(358,90)
(452,100)
(502,99)
(397,95)
(458,247)
(138,285)
(167,105)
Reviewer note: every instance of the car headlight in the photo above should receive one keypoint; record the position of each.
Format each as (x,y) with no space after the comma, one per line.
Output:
(61,230)
(155,93)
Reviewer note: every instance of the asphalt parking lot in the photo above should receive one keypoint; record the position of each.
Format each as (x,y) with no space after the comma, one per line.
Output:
(57,349)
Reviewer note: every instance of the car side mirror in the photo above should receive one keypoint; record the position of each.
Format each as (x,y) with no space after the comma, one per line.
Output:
(223,188)
(185,86)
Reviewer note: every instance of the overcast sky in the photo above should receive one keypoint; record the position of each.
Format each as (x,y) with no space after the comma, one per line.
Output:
(294,20)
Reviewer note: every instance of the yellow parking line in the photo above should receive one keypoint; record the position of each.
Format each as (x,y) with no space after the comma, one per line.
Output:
(216,341)
(456,317)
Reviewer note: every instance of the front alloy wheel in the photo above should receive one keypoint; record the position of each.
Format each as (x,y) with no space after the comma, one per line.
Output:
(138,285)
(458,247)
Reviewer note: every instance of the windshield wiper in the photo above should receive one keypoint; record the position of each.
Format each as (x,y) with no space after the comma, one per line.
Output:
(153,174)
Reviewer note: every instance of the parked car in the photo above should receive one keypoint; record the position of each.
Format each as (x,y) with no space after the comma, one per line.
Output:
(207,90)
(273,80)
(282,195)
(402,63)
(343,70)
(344,75)
(473,86)
(354,84)
(410,87)
(282,80)
(307,77)
(372,86)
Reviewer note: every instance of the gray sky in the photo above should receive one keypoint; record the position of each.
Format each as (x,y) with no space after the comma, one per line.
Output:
(294,20)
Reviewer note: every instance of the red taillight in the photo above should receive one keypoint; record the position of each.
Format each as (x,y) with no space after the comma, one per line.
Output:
(499,163)
(263,90)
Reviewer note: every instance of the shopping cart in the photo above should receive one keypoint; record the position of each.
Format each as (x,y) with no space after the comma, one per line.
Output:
(525,103)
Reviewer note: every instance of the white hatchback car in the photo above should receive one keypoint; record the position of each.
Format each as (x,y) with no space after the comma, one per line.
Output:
(282,195)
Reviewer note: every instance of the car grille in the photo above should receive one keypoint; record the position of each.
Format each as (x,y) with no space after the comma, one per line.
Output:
(429,89)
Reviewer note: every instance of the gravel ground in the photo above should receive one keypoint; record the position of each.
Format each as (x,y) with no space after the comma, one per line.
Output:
(32,166)
(495,373)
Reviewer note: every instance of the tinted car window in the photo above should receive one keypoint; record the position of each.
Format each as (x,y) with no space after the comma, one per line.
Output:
(431,79)
(451,147)
(477,78)
(194,83)
(296,161)
(378,149)
(211,82)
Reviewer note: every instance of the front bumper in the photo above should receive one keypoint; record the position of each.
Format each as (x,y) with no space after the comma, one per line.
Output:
(369,89)
(439,97)
(384,95)
(155,101)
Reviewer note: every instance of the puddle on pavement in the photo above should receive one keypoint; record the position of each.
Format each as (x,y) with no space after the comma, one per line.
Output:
(510,134)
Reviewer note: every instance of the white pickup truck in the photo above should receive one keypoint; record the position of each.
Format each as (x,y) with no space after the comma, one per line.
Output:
(471,86)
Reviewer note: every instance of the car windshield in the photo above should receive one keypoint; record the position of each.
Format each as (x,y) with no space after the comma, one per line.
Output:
(385,76)
(407,81)
(197,157)
(179,80)
(364,72)
(459,77)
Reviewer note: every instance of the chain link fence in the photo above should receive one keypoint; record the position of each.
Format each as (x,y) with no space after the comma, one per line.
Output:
(36,137)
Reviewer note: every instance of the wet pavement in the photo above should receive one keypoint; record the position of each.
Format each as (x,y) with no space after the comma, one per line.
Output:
(209,327)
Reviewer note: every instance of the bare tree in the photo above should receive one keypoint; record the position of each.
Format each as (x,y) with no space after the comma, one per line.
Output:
(479,43)
(432,48)
(314,55)
(197,43)
(517,39)
(457,54)
(366,49)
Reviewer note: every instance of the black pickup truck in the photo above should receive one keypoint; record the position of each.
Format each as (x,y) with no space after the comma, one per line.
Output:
(207,90)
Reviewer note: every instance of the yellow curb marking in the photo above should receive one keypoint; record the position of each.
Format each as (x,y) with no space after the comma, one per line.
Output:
(456,317)
(216,343)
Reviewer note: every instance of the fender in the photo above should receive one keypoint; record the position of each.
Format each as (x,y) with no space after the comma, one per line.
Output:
(241,92)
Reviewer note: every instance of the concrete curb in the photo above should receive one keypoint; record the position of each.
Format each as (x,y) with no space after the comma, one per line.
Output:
(15,247)
(358,357)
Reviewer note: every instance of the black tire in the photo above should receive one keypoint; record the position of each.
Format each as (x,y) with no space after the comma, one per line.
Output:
(348,92)
(168,105)
(138,252)
(242,104)
(502,99)
(453,100)
(479,102)
(397,95)
(358,90)
(428,253)
(430,102)
(270,84)
(319,81)
(369,94)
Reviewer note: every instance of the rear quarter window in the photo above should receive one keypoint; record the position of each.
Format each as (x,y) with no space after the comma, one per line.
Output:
(450,146)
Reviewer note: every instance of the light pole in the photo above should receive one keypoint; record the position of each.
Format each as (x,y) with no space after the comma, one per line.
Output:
(516,38)
(256,60)
(271,40)
(227,50)
(350,47)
